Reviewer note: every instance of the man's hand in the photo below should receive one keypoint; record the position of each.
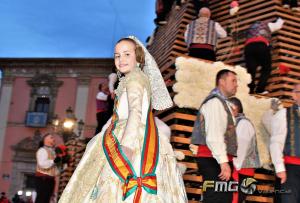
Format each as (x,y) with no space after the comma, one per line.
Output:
(282,176)
(193,148)
(225,171)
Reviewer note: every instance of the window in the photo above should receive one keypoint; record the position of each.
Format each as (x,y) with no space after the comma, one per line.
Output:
(42,104)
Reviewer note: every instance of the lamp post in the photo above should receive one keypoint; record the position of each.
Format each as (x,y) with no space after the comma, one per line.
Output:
(66,126)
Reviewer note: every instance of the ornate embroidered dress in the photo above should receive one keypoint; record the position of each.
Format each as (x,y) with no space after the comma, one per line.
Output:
(130,160)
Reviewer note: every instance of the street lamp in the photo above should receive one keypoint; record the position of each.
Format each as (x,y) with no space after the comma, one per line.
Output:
(66,126)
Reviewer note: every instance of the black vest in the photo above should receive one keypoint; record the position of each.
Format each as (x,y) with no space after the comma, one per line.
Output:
(292,142)
(199,134)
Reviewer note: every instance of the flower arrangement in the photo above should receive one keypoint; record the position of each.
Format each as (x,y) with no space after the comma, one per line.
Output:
(62,154)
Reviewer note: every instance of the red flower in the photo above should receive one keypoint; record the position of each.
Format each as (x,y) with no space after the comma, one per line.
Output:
(234,4)
(283,69)
(61,150)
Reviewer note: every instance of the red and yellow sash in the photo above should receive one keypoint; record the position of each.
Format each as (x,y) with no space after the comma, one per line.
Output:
(122,166)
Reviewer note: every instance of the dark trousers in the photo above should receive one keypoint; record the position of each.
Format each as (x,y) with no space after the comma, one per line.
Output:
(202,53)
(242,195)
(290,190)
(102,118)
(210,169)
(258,54)
(110,106)
(292,3)
(44,188)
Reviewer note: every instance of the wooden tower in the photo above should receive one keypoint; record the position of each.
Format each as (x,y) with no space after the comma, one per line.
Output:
(168,44)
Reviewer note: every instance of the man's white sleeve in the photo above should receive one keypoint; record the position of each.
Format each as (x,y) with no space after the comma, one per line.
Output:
(215,126)
(220,30)
(42,159)
(277,141)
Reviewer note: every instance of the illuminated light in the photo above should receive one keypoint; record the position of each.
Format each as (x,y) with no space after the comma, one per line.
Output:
(20,192)
(28,193)
(68,124)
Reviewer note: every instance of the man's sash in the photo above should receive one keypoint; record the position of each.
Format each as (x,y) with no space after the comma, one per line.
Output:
(122,167)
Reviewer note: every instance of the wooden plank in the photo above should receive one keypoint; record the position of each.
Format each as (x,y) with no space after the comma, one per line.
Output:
(190,165)
(193,178)
(186,152)
(179,127)
(177,115)
(259,176)
(259,199)
(182,140)
(193,190)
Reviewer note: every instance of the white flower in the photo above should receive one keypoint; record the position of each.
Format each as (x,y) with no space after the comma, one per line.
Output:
(234,10)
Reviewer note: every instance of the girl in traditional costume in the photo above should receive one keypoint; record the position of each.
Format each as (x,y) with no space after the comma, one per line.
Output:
(129,161)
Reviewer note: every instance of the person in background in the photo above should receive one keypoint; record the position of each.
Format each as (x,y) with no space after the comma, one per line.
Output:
(46,169)
(284,127)
(102,106)
(201,36)
(258,52)
(247,159)
(162,9)
(293,4)
(214,137)
(3,198)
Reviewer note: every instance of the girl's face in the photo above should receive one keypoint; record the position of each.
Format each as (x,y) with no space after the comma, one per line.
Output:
(125,57)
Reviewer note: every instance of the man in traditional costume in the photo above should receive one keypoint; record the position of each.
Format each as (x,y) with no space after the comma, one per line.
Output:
(247,159)
(46,169)
(258,52)
(284,127)
(214,134)
(201,36)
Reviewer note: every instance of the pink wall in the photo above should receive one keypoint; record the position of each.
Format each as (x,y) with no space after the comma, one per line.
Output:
(20,104)
(91,107)
(66,96)
(90,118)
(20,100)
(17,132)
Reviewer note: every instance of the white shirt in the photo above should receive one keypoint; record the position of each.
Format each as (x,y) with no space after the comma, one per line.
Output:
(220,30)
(215,127)
(42,158)
(276,124)
(245,133)
(277,25)
(102,96)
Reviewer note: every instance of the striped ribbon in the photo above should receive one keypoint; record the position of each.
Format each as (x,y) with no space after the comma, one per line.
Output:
(122,167)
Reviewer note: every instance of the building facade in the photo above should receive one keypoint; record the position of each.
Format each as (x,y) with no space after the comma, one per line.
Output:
(33,91)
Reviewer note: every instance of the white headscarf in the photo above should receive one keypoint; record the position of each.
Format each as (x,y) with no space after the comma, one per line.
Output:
(160,97)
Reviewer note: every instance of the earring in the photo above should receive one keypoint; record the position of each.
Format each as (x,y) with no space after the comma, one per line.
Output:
(138,65)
